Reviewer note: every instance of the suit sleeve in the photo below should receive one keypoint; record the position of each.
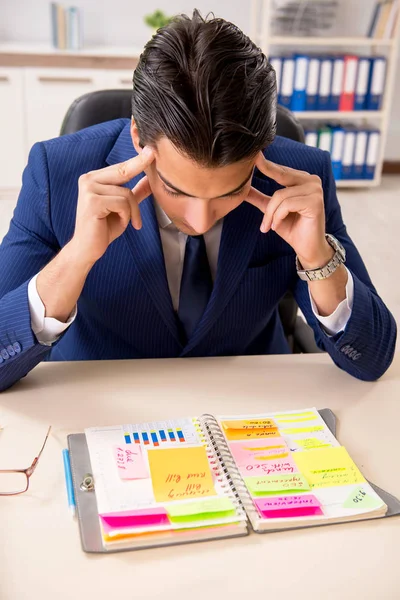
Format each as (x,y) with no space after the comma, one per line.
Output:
(365,348)
(28,246)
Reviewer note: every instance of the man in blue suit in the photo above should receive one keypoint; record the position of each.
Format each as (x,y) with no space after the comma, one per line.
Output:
(230,218)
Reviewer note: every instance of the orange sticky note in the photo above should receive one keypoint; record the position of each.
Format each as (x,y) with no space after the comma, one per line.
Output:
(249,424)
(180,473)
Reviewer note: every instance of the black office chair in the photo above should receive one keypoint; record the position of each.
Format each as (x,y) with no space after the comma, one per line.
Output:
(106,105)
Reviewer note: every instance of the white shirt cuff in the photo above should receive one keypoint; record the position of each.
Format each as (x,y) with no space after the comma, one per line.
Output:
(46,329)
(337,321)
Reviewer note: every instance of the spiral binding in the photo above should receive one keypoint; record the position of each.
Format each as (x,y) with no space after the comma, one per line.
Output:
(216,463)
(220,452)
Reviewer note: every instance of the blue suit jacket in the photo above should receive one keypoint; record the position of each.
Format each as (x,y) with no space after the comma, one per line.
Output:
(125,310)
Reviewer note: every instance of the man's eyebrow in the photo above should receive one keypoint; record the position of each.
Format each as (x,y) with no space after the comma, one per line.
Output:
(190,195)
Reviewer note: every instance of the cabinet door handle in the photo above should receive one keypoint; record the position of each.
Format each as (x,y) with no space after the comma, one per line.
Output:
(47,79)
(4,78)
(126,81)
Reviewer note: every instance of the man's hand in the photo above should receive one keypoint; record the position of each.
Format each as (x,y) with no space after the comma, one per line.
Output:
(296,212)
(105,208)
(104,212)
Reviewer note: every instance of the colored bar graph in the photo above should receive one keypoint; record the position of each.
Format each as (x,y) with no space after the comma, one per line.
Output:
(136,438)
(127,438)
(171,435)
(180,435)
(145,438)
(154,438)
(162,435)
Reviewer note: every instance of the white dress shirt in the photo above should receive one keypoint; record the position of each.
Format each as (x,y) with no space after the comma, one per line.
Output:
(48,330)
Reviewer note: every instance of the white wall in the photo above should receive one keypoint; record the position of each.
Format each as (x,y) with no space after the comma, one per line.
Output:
(120,23)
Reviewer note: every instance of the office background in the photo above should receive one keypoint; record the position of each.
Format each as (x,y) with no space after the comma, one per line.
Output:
(372,215)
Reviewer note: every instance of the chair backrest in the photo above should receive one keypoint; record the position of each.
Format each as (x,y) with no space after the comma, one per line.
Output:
(106,105)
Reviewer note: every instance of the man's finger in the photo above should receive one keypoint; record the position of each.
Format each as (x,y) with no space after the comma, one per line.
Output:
(283,175)
(138,194)
(258,199)
(125,171)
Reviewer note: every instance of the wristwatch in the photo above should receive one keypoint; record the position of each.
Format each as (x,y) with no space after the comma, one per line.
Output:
(324,272)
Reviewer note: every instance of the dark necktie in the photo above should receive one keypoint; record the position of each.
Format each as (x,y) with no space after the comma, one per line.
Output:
(196,284)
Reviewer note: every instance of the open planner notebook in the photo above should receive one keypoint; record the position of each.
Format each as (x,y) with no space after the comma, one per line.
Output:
(203,478)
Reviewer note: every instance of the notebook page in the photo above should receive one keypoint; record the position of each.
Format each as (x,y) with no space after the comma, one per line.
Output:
(294,468)
(154,476)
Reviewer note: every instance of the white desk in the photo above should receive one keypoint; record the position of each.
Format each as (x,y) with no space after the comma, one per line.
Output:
(40,554)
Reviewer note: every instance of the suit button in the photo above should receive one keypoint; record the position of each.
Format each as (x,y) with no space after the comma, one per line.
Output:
(10,350)
(4,354)
(357,356)
(17,347)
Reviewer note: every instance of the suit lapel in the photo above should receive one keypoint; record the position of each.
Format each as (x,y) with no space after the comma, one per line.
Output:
(239,235)
(145,245)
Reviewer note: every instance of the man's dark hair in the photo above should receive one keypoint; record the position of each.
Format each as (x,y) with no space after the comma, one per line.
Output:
(206,87)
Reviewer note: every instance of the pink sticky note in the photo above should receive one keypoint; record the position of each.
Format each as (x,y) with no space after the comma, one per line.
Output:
(134,518)
(130,462)
(282,507)
(267,456)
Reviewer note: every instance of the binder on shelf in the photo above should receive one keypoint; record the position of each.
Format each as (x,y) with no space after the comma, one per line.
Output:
(312,83)
(348,152)
(337,82)
(285,97)
(276,64)
(376,83)
(325,139)
(311,136)
(325,81)
(360,97)
(360,154)
(371,159)
(298,102)
(337,151)
(349,83)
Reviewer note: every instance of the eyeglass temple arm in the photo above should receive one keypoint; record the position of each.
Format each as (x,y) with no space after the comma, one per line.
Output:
(33,465)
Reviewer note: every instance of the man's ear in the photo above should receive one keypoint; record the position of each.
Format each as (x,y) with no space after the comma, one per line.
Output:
(135,136)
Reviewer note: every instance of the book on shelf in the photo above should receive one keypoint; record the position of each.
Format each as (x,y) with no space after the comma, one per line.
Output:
(66,27)
(384,19)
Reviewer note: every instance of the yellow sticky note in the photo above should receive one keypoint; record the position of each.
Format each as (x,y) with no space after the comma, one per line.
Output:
(312,442)
(328,467)
(249,424)
(291,430)
(298,420)
(179,473)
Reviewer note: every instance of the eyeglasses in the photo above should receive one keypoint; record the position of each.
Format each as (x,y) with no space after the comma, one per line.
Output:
(16,481)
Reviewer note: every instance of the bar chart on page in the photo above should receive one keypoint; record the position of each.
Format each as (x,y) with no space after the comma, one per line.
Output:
(160,434)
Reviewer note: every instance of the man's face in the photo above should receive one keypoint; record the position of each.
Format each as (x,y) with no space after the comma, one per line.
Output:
(193,197)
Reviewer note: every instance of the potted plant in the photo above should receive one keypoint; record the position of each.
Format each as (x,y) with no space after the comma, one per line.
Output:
(156,20)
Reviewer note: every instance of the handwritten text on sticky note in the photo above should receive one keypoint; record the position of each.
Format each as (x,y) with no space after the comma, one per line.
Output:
(272,484)
(249,434)
(130,462)
(249,424)
(303,505)
(179,473)
(361,499)
(328,467)
(271,455)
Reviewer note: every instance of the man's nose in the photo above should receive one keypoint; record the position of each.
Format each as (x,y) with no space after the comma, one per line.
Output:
(199,216)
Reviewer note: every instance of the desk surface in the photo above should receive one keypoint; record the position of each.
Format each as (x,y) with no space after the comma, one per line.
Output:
(40,554)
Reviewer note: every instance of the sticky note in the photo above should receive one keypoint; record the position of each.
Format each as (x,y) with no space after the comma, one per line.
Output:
(179,473)
(312,442)
(130,462)
(303,505)
(248,434)
(300,415)
(297,420)
(134,518)
(328,467)
(201,510)
(292,430)
(272,484)
(360,499)
(249,424)
(265,456)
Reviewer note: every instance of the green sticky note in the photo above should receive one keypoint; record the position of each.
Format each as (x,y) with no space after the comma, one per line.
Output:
(270,484)
(360,499)
(212,508)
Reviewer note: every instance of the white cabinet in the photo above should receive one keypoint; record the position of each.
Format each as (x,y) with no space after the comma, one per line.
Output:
(12,127)
(49,94)
(118,79)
